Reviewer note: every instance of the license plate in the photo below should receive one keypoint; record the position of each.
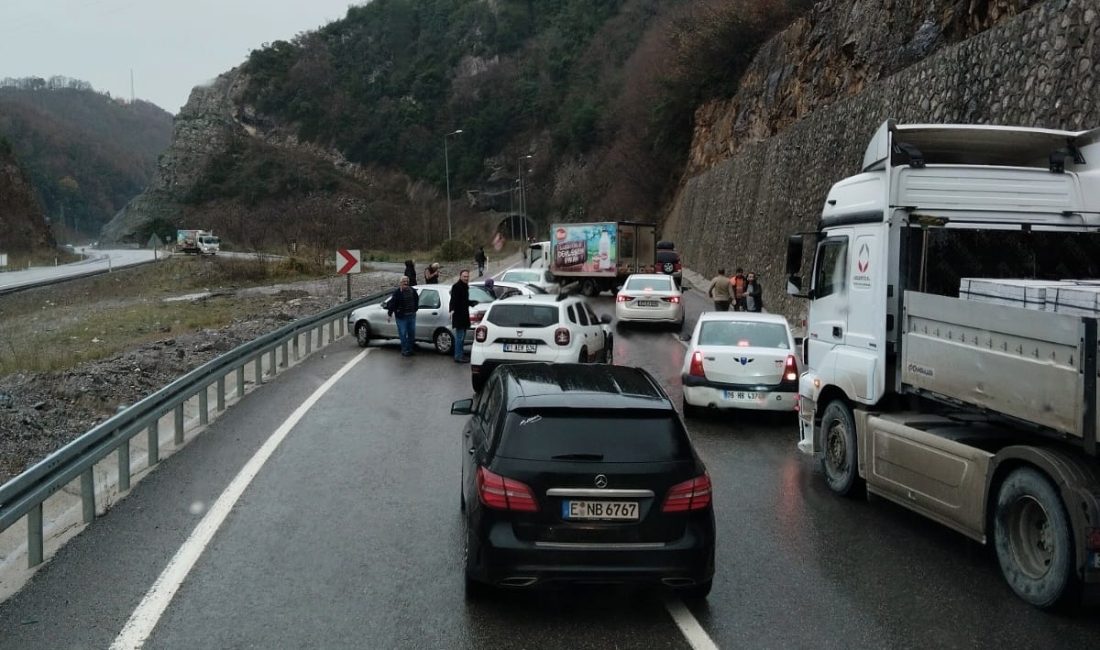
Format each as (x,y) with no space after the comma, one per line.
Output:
(742,396)
(647,303)
(607,510)
(520,347)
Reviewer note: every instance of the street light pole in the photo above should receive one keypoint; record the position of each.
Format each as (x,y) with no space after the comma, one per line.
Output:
(447,165)
(522,198)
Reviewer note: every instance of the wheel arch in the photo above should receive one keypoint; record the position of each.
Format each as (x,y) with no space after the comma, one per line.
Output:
(1076,480)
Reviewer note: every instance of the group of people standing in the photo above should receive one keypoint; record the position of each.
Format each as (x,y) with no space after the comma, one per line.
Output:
(742,291)
(404,302)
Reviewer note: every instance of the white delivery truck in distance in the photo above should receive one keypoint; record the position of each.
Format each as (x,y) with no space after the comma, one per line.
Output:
(980,416)
(197,242)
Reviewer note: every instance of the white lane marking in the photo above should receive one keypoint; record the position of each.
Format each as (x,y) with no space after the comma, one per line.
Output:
(152,606)
(696,636)
(678,340)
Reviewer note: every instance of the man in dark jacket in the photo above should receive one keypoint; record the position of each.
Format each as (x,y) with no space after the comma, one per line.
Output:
(480,259)
(403,304)
(460,312)
(410,272)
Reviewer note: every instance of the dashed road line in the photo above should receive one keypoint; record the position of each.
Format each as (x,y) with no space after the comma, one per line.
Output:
(696,636)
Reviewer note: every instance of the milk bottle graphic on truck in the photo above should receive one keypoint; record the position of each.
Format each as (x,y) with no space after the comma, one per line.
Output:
(604,251)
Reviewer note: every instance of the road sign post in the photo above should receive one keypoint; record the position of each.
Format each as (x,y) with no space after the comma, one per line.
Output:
(347,262)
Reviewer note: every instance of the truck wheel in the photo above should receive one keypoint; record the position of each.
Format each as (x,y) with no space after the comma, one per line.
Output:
(589,288)
(1032,535)
(444,341)
(362,334)
(840,460)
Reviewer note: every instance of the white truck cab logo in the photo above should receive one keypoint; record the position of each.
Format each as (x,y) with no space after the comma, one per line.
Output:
(861,278)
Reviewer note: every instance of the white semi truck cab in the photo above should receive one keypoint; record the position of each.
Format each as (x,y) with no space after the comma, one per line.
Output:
(980,416)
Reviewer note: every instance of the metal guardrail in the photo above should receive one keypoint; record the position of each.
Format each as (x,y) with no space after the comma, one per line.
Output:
(25,494)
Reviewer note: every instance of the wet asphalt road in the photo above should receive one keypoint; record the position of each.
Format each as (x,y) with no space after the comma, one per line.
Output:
(349,536)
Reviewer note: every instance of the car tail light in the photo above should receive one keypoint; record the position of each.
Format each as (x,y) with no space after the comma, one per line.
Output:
(481,333)
(678,267)
(790,370)
(501,493)
(561,336)
(693,494)
(697,365)
(623,298)
(476,316)
(673,299)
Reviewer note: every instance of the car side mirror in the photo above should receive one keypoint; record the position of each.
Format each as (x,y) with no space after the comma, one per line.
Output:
(685,337)
(794,254)
(462,407)
(605,319)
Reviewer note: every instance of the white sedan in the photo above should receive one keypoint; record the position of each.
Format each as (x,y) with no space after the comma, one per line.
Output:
(539,277)
(740,360)
(650,298)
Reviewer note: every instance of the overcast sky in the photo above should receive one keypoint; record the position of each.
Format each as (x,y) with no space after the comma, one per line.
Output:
(171,46)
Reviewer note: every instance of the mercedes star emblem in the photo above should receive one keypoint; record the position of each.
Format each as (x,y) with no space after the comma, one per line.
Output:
(601,481)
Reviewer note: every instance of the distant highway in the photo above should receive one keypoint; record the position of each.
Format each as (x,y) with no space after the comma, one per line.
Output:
(97,261)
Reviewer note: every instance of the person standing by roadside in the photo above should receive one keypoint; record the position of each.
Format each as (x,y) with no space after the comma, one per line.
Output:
(410,272)
(480,259)
(754,293)
(720,291)
(737,287)
(403,305)
(431,274)
(460,313)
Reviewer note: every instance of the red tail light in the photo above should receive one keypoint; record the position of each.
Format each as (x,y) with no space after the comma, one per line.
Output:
(790,370)
(697,365)
(476,316)
(678,267)
(693,494)
(673,299)
(623,298)
(1093,543)
(561,336)
(481,333)
(501,493)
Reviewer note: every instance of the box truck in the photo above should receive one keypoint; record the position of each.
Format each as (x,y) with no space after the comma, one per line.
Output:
(601,255)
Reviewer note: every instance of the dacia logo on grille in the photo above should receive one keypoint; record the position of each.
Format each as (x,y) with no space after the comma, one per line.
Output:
(744,360)
(519,333)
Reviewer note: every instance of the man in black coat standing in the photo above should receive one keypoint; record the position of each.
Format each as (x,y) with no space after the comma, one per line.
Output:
(403,304)
(460,312)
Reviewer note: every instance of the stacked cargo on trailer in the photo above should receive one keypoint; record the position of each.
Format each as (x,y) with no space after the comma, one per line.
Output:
(980,416)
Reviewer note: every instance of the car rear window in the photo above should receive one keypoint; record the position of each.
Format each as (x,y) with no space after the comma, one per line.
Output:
(521,315)
(635,437)
(743,334)
(648,284)
(668,256)
(521,276)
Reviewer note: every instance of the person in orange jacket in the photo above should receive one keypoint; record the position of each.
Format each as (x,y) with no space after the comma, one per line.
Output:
(737,288)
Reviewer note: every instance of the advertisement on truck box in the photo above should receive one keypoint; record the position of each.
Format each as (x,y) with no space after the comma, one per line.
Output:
(588,248)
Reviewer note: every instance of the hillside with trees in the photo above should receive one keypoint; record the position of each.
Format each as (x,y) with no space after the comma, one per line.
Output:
(86,154)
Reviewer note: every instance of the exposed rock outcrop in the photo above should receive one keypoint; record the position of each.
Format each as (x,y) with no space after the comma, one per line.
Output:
(1039,68)
(23,227)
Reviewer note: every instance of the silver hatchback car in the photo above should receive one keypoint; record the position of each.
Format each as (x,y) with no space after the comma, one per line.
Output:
(433,318)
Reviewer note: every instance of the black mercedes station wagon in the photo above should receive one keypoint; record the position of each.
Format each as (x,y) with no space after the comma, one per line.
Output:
(584,474)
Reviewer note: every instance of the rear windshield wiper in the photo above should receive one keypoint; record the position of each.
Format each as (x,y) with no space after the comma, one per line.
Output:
(578,457)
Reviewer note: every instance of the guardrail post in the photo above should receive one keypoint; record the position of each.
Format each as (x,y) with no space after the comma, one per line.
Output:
(294,345)
(153,442)
(124,466)
(221,393)
(240,381)
(179,425)
(204,405)
(259,369)
(341,327)
(309,342)
(34,536)
(87,494)
(331,331)
(274,368)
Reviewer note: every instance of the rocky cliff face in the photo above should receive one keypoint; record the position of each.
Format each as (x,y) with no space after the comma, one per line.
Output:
(762,167)
(23,227)
(836,51)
